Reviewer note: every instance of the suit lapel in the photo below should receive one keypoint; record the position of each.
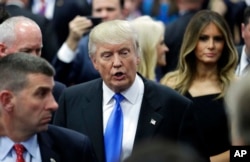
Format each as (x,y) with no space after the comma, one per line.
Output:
(93,117)
(48,153)
(149,119)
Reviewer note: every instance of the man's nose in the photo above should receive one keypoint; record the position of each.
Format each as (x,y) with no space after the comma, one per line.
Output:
(117,60)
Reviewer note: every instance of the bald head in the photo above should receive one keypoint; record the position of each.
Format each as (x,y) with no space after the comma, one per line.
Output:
(20,34)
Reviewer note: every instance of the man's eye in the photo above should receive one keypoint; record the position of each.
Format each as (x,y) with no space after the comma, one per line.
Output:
(124,52)
(27,50)
(106,55)
(42,93)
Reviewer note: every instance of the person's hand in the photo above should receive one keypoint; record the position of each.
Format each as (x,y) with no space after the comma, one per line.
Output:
(77,27)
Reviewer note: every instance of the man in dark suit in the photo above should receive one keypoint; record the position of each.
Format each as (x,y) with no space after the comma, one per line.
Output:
(149,110)
(26,104)
(61,12)
(50,42)
(174,31)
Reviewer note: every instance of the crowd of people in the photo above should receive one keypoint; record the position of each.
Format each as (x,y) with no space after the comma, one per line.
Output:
(163,80)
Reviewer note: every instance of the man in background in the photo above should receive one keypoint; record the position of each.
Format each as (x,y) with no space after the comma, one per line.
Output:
(60,13)
(244,50)
(21,34)
(50,42)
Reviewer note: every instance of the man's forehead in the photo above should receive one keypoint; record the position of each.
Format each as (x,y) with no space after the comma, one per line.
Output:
(105,3)
(116,46)
(40,80)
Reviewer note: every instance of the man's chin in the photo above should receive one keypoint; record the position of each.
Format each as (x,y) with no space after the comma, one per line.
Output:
(43,127)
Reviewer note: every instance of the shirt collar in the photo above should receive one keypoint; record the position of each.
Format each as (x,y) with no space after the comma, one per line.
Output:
(31,144)
(131,94)
(243,60)
(6,145)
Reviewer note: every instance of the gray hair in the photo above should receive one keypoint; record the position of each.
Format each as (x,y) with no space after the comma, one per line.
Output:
(112,32)
(8,27)
(16,67)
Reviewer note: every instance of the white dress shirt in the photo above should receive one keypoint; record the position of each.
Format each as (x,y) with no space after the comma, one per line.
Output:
(8,154)
(65,54)
(242,63)
(131,106)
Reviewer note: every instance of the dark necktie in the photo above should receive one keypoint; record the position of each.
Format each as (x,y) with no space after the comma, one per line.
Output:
(42,7)
(19,148)
(114,132)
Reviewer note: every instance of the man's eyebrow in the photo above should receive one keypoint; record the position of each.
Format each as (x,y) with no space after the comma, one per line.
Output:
(44,88)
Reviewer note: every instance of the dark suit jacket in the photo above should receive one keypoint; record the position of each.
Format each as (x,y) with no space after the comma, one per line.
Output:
(80,70)
(80,109)
(173,39)
(58,89)
(64,145)
(235,16)
(50,42)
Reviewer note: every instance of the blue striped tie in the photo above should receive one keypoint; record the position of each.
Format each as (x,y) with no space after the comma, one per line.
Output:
(114,132)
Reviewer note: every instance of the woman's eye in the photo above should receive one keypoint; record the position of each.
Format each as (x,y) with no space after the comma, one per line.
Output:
(219,38)
(203,38)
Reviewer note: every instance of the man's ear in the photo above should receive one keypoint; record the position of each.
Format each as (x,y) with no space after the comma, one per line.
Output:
(6,100)
(3,48)
(93,59)
(138,60)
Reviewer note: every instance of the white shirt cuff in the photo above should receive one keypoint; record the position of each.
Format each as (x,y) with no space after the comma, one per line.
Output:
(65,54)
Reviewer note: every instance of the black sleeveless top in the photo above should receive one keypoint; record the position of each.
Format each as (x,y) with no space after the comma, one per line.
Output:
(212,122)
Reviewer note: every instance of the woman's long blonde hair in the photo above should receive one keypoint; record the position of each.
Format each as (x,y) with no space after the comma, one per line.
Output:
(182,77)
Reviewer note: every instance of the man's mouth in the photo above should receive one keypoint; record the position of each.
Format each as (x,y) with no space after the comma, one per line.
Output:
(118,74)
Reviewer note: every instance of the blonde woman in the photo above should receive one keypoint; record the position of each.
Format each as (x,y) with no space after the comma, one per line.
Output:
(206,66)
(151,42)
